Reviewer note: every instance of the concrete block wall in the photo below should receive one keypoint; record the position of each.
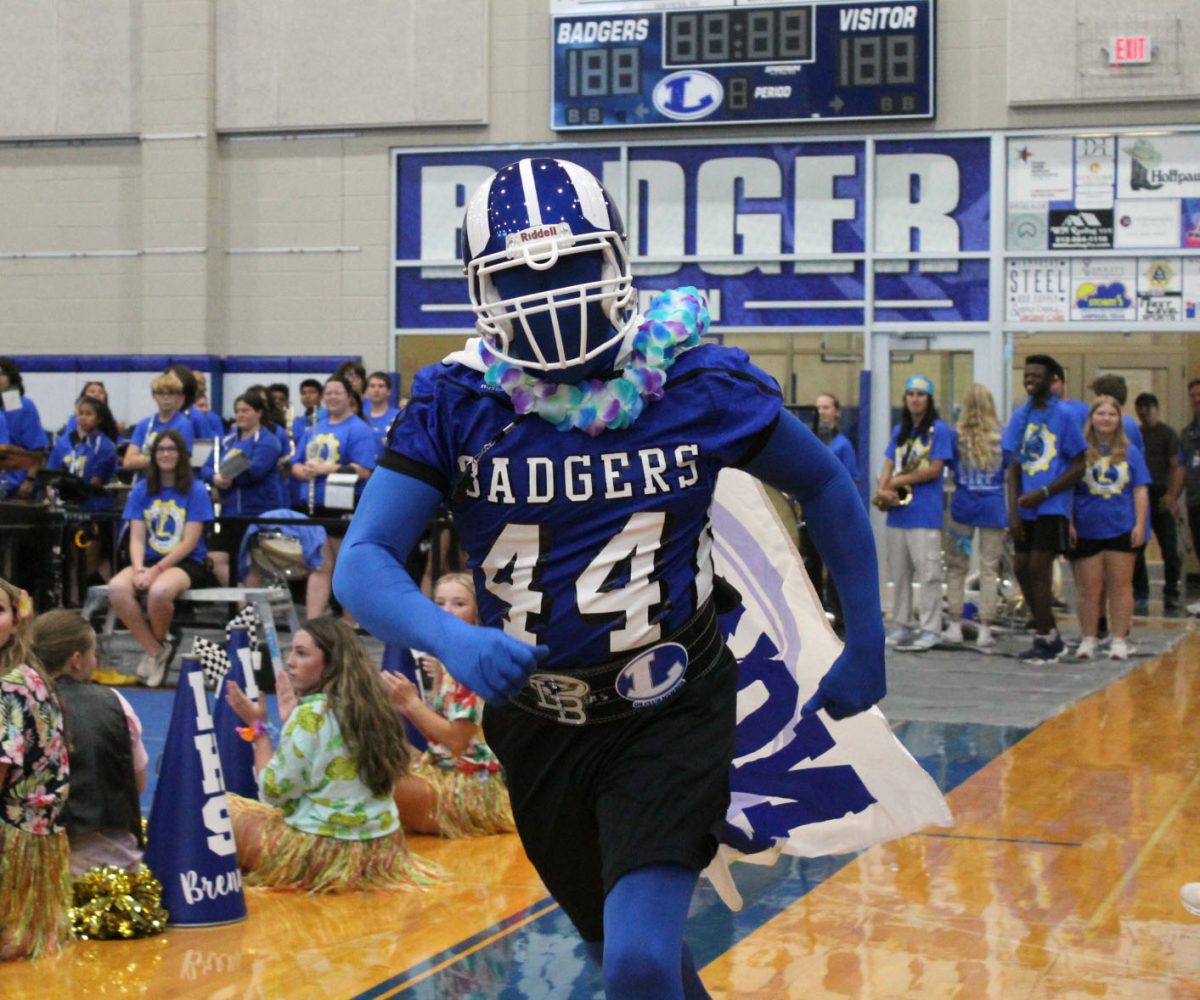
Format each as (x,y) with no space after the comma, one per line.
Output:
(181,239)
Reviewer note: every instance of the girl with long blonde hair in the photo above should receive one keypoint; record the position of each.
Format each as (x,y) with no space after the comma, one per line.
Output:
(978,518)
(327,822)
(35,857)
(1108,527)
(456,788)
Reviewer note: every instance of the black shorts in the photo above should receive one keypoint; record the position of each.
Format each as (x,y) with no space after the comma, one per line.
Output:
(199,574)
(593,803)
(1048,533)
(1085,548)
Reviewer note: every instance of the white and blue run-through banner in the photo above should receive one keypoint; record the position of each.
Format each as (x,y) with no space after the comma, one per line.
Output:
(806,787)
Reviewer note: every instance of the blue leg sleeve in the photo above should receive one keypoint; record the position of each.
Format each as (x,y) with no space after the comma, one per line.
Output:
(644,917)
(794,460)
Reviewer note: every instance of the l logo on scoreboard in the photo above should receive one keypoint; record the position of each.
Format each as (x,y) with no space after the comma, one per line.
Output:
(688,95)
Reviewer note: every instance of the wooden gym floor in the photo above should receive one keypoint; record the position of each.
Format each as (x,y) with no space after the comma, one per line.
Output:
(1060,878)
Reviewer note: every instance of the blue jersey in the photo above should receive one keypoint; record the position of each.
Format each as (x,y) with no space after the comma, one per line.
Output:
(147,430)
(92,458)
(978,493)
(166,514)
(380,425)
(915,454)
(258,488)
(1044,441)
(347,441)
(1104,496)
(592,545)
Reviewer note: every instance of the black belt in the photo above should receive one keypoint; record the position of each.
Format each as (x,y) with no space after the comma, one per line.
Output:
(639,680)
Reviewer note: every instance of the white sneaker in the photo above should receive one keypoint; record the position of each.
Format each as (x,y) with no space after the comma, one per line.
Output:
(953,632)
(921,642)
(1189,895)
(1118,649)
(1087,648)
(985,637)
(900,635)
(159,664)
(145,666)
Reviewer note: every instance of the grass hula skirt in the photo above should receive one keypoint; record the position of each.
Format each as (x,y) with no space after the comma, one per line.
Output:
(35,893)
(467,804)
(288,858)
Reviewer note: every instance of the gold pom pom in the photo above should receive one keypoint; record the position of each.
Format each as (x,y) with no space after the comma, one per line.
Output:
(111,902)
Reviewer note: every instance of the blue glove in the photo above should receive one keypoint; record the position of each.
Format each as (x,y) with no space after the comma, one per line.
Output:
(852,685)
(493,665)
(794,460)
(371,582)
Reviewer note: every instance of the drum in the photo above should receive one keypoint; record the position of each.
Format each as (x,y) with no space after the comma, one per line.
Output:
(278,554)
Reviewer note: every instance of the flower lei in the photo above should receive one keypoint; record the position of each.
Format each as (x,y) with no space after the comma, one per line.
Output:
(674,323)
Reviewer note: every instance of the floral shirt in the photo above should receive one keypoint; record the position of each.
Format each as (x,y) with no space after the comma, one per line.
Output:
(454,702)
(313,779)
(32,744)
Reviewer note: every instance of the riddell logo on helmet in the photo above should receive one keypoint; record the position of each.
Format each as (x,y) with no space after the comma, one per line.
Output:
(542,233)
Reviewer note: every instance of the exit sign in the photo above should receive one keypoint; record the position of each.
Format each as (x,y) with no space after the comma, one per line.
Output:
(1129,50)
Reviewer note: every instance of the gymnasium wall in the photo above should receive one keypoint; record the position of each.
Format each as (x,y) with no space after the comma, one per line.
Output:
(188,177)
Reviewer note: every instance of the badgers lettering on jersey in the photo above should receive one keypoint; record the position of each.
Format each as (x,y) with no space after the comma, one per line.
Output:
(611,475)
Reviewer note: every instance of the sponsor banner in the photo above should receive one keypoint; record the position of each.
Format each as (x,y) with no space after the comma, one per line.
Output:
(1038,291)
(1158,166)
(1081,229)
(1095,171)
(1026,223)
(1160,290)
(1104,290)
(1145,224)
(1191,288)
(1041,169)
(1190,217)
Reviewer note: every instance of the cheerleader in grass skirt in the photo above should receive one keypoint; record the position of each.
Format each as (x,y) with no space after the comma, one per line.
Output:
(456,788)
(327,822)
(35,856)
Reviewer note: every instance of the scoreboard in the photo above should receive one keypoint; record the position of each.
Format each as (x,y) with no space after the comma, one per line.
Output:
(720,62)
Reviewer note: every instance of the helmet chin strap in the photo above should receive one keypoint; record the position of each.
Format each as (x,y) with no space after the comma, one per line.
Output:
(673,324)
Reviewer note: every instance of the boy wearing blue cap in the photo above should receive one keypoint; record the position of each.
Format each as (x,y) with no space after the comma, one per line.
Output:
(920,446)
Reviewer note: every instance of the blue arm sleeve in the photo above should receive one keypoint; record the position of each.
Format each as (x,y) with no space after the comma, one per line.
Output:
(795,461)
(371,581)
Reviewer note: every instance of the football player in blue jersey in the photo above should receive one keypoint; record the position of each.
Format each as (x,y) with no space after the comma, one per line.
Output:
(578,446)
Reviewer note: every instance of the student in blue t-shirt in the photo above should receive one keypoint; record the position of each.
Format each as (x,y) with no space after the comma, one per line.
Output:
(251,490)
(1108,526)
(166,511)
(377,407)
(340,442)
(1045,443)
(167,390)
(87,452)
(24,425)
(919,448)
(979,466)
